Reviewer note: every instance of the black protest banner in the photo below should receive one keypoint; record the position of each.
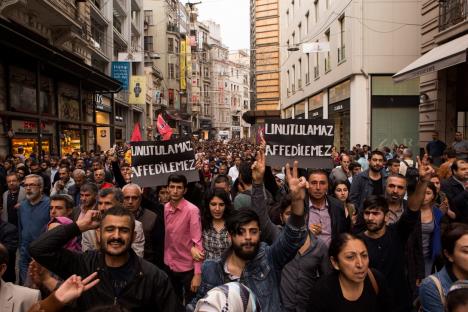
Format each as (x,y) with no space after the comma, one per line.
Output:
(309,141)
(153,162)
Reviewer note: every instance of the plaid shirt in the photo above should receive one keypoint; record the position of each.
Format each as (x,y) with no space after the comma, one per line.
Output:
(215,243)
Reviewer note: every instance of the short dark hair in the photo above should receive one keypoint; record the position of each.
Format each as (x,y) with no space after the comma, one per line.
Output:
(375,202)
(118,194)
(89,187)
(69,204)
(177,178)
(377,152)
(240,217)
(222,178)
(450,152)
(285,202)
(392,161)
(457,296)
(4,256)
(317,171)
(452,234)
(456,164)
(119,211)
(245,173)
(353,165)
(337,244)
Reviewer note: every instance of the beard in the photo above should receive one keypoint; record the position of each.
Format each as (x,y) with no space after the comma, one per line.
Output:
(375,168)
(375,227)
(32,195)
(245,255)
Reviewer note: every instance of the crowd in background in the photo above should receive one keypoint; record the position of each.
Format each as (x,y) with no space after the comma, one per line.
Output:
(383,230)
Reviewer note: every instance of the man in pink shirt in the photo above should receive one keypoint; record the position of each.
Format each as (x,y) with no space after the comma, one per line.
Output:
(183,231)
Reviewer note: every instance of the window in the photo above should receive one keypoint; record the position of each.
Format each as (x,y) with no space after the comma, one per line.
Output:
(149,17)
(148,43)
(341,48)
(327,58)
(299,75)
(293,38)
(294,78)
(316,65)
(176,46)
(171,71)
(299,32)
(306,28)
(170,45)
(287,16)
(307,75)
(316,10)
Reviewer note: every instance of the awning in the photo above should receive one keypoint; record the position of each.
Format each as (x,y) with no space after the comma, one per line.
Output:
(17,42)
(251,115)
(443,56)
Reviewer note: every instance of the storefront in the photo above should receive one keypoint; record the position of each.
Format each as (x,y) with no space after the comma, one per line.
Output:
(395,113)
(339,112)
(299,110)
(315,106)
(46,96)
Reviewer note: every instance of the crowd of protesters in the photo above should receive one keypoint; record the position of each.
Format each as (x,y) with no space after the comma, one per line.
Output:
(382,230)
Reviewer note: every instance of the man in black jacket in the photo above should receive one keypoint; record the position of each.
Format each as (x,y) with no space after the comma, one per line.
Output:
(9,237)
(125,279)
(327,217)
(455,186)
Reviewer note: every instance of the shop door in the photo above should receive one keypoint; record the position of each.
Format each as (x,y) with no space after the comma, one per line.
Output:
(397,125)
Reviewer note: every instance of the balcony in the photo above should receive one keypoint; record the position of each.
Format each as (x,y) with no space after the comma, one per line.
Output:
(452,12)
(327,64)
(172,27)
(316,72)
(341,54)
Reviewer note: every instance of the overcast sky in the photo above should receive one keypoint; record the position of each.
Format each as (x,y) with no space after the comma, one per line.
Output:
(232,15)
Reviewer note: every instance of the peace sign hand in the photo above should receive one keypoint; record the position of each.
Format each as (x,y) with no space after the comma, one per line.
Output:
(258,167)
(297,185)
(425,169)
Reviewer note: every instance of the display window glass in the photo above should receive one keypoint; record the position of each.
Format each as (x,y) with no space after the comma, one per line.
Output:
(30,145)
(22,90)
(70,141)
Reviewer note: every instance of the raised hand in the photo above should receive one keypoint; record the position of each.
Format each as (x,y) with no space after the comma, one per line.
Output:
(90,221)
(297,185)
(425,169)
(73,287)
(258,167)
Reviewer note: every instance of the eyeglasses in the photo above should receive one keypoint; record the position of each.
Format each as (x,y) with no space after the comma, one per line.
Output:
(31,185)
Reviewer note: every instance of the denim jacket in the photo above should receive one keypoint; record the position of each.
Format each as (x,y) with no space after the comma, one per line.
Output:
(428,293)
(262,274)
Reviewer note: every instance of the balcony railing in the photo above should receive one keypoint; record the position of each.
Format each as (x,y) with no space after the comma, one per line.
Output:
(452,12)
(316,72)
(172,27)
(327,64)
(341,54)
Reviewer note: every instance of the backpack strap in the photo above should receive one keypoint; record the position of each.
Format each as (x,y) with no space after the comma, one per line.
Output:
(373,281)
(438,285)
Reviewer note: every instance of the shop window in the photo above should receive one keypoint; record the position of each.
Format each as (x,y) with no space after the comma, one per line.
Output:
(69,107)
(47,98)
(22,90)
(70,141)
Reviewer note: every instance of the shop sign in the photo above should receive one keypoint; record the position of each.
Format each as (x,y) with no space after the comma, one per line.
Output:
(102,103)
(130,57)
(339,107)
(316,113)
(137,90)
(23,126)
(121,72)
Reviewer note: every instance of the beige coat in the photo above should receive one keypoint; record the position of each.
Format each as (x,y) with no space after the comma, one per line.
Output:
(14,298)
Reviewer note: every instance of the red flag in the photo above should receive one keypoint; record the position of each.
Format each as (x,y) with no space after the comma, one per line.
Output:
(163,128)
(136,134)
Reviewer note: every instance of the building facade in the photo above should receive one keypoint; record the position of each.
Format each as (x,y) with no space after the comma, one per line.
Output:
(337,62)
(442,70)
(51,99)
(264,60)
(239,86)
